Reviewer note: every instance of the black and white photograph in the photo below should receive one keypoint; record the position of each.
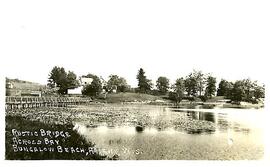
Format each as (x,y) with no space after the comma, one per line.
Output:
(134,81)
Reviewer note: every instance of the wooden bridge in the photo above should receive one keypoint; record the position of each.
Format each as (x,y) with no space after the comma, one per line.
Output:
(13,102)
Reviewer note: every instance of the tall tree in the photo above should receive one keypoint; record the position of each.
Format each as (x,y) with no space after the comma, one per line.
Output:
(178,90)
(113,83)
(123,86)
(72,81)
(195,83)
(210,89)
(238,91)
(163,85)
(200,79)
(248,87)
(190,86)
(58,77)
(117,83)
(222,87)
(225,88)
(144,84)
(259,91)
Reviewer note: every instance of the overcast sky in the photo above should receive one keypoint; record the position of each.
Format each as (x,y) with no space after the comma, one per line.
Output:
(166,38)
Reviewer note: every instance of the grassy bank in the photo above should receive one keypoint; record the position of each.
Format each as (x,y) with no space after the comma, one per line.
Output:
(216,101)
(131,97)
(74,141)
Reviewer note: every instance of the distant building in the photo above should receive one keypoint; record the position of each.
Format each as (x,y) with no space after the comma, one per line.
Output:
(85,81)
(78,91)
(75,91)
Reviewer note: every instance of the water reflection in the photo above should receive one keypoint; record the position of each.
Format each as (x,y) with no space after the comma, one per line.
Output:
(220,119)
(177,134)
(207,116)
(200,131)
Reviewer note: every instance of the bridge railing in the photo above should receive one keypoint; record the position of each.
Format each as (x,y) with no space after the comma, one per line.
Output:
(13,102)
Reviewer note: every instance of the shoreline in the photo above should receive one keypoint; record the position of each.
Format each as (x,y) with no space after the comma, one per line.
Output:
(191,105)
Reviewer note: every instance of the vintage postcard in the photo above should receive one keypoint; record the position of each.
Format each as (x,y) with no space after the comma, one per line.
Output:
(134,80)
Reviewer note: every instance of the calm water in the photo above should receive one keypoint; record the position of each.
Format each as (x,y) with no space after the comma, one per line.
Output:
(166,133)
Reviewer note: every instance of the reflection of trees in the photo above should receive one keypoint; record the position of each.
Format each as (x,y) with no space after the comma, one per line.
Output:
(200,126)
(238,128)
(222,121)
(207,116)
(223,124)
(192,115)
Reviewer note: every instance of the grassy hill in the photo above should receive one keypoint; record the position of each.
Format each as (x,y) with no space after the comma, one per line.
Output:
(19,87)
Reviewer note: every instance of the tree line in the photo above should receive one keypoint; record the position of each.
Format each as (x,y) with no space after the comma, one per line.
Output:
(60,81)
(194,85)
